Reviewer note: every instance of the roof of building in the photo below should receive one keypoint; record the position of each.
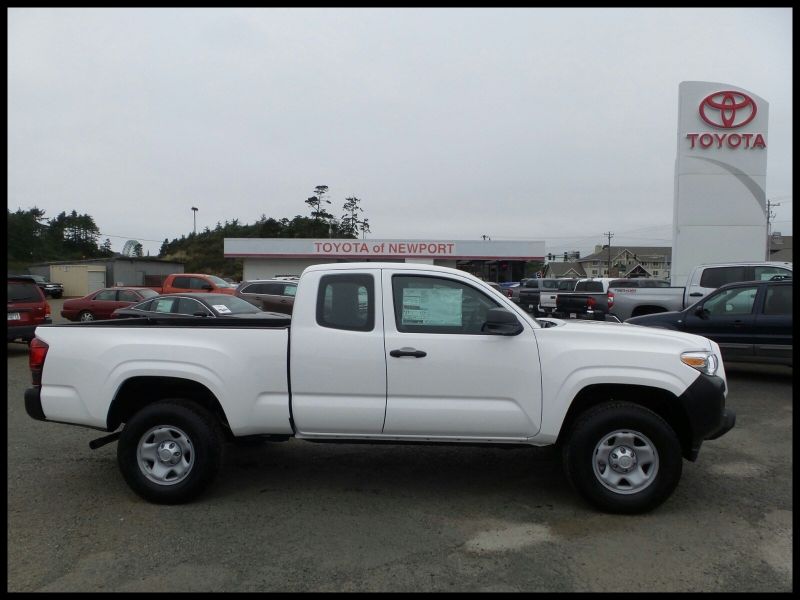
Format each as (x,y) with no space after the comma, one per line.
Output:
(563,269)
(601,252)
(108,259)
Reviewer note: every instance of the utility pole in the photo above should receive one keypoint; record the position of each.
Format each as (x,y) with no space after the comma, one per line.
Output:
(770,215)
(609,235)
(194,214)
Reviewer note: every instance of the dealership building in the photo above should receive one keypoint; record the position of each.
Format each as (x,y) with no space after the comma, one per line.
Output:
(265,258)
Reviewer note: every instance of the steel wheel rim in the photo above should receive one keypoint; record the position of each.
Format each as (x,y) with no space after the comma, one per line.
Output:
(625,462)
(165,455)
(87,316)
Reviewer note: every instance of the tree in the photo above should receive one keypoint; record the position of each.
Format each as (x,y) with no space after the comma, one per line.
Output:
(137,249)
(316,203)
(106,248)
(350,220)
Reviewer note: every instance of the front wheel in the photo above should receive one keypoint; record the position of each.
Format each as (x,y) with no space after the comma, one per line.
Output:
(622,457)
(170,451)
(86,316)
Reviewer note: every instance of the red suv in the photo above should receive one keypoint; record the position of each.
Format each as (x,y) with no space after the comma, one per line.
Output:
(27,308)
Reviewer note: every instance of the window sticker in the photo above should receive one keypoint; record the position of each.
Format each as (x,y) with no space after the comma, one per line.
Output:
(221,308)
(432,306)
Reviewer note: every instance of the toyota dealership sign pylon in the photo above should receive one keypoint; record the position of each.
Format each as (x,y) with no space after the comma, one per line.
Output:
(719,210)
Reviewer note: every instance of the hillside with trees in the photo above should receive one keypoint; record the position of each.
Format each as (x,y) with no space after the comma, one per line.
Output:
(33,239)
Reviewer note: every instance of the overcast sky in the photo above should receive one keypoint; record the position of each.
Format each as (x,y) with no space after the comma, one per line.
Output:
(544,124)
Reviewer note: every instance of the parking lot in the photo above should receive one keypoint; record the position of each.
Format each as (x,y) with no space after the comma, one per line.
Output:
(298,516)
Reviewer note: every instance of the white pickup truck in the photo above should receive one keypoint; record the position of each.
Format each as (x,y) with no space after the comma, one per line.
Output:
(387,352)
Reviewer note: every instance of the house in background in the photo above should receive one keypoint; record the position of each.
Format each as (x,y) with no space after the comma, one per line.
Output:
(629,261)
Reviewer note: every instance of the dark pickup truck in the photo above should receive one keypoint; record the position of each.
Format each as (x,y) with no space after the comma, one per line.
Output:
(591,299)
(530,293)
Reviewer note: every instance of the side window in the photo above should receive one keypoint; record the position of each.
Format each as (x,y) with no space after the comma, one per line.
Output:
(188,306)
(290,290)
(181,283)
(738,301)
(127,296)
(715,277)
(346,302)
(162,305)
(143,305)
(254,288)
(273,289)
(196,283)
(767,273)
(779,300)
(435,305)
(106,295)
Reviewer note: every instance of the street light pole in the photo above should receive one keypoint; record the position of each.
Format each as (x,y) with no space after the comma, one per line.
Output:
(194,214)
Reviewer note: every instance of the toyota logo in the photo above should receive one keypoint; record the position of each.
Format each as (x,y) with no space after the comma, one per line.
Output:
(727,110)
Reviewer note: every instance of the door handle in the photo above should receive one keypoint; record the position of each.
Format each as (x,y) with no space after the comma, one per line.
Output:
(695,294)
(408,352)
(737,323)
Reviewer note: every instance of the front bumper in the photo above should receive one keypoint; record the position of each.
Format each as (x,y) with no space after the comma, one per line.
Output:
(703,403)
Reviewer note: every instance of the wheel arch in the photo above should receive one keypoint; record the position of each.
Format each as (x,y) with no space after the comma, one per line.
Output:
(137,392)
(662,402)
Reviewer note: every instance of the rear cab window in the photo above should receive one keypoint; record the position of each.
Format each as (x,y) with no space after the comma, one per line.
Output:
(346,301)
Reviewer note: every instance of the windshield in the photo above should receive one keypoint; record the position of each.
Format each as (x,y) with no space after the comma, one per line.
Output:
(219,282)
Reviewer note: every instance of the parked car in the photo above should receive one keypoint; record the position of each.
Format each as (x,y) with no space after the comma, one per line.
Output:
(101,303)
(192,305)
(269,294)
(704,279)
(27,308)
(751,321)
(184,283)
(50,288)
(387,352)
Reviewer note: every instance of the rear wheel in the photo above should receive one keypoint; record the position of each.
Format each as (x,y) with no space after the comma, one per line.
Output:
(622,457)
(170,451)
(86,316)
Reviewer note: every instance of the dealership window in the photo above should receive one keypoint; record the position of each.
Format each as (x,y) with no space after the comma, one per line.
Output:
(437,305)
(346,302)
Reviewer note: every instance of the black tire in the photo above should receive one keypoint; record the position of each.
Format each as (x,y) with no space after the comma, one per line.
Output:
(660,476)
(86,315)
(205,448)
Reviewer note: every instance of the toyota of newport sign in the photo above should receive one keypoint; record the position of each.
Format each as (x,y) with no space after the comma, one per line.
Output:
(720,177)
(727,109)
(377,249)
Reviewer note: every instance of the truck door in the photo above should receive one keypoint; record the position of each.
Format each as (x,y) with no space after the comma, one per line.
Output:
(446,378)
(337,364)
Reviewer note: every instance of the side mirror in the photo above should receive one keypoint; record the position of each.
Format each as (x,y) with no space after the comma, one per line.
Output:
(208,287)
(500,321)
(200,314)
(702,313)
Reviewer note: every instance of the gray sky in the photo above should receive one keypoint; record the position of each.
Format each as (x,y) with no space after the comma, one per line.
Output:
(547,124)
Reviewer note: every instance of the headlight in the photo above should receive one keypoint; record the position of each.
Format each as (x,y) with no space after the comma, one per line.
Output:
(705,362)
